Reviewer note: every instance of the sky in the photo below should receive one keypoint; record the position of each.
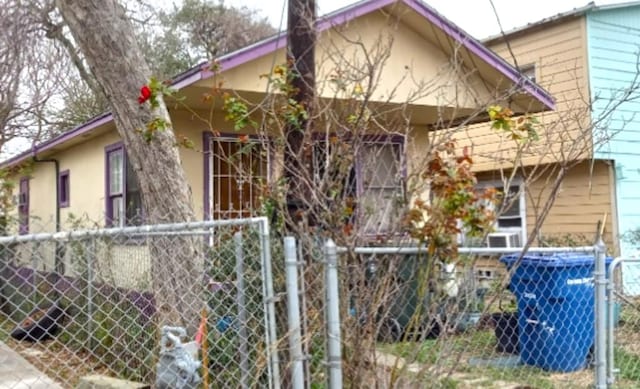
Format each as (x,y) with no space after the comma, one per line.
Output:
(474,16)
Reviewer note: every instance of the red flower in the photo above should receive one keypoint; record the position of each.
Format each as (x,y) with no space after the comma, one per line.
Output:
(145,94)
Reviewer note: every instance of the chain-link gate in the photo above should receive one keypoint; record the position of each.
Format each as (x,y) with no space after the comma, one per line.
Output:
(86,302)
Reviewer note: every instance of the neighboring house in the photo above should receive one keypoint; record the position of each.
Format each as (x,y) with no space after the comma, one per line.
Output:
(95,180)
(584,58)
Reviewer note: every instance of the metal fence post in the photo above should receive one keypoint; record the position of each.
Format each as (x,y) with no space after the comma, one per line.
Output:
(272,350)
(242,311)
(611,301)
(600,280)
(90,259)
(305,322)
(293,313)
(334,352)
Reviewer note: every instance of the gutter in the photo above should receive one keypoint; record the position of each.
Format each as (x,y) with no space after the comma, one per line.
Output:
(59,250)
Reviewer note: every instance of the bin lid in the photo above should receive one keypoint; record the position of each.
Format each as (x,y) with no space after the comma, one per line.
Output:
(560,259)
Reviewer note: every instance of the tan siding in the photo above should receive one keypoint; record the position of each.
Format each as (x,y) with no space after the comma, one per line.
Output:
(559,54)
(584,199)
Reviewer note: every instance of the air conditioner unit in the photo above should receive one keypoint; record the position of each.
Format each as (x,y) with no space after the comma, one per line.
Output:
(503,240)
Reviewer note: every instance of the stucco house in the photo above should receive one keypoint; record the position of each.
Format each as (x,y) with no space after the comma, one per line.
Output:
(587,59)
(87,166)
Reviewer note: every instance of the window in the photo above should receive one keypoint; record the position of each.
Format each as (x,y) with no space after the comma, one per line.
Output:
(511,216)
(63,189)
(509,229)
(124,202)
(236,172)
(374,181)
(23,206)
(510,226)
(379,186)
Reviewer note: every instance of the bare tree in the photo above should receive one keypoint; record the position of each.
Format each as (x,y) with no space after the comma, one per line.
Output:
(29,73)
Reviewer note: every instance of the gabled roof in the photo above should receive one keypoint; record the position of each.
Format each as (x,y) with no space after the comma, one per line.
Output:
(574,13)
(278,41)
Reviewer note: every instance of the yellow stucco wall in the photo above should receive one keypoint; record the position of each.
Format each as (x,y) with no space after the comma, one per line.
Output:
(41,196)
(86,164)
(409,66)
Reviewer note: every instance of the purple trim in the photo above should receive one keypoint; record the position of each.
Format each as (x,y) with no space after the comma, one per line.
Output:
(351,12)
(247,54)
(77,131)
(397,141)
(184,79)
(206,153)
(481,51)
(275,42)
(23,206)
(64,186)
(189,77)
(364,7)
(269,45)
(108,217)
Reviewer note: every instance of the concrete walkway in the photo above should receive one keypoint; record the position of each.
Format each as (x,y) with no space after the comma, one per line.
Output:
(17,373)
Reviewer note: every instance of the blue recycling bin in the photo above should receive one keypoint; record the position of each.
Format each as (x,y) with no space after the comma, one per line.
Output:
(555,294)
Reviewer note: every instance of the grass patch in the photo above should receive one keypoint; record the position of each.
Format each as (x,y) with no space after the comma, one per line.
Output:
(629,364)
(530,375)
(430,351)
(421,352)
(454,352)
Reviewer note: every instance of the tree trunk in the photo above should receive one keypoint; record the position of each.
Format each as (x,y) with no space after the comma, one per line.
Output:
(301,59)
(107,39)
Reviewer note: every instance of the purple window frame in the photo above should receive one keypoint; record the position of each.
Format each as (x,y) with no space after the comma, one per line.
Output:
(396,141)
(64,186)
(23,206)
(116,147)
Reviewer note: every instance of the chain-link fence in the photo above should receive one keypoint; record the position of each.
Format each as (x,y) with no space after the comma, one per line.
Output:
(623,323)
(94,302)
(87,302)
(488,318)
